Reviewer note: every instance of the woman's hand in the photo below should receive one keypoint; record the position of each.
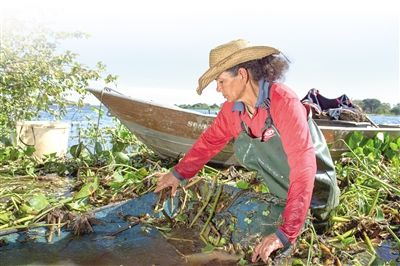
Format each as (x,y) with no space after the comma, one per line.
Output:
(165,181)
(268,245)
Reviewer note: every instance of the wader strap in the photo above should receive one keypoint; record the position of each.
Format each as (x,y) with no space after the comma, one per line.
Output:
(245,128)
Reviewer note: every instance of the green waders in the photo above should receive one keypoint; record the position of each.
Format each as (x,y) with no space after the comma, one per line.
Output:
(270,161)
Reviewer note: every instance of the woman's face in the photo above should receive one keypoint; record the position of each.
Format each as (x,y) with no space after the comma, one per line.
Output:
(231,87)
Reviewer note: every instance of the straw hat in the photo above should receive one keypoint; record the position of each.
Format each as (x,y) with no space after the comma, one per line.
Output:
(229,55)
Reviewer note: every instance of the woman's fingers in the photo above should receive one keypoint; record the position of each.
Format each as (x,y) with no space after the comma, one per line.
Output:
(165,181)
(256,253)
(264,249)
(173,190)
(160,183)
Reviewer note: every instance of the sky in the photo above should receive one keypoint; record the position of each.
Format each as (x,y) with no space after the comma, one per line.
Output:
(159,49)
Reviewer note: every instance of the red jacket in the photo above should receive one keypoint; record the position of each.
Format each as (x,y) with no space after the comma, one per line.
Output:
(290,118)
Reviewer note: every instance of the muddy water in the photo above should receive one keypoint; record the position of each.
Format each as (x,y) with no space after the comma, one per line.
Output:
(148,248)
(132,247)
(108,245)
(186,242)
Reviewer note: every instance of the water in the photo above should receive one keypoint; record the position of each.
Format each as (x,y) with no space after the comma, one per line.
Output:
(80,118)
(385,119)
(377,119)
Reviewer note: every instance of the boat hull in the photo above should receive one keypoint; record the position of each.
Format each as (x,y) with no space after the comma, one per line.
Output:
(171,131)
(173,146)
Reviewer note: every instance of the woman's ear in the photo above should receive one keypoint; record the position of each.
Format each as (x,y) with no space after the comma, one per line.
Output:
(242,72)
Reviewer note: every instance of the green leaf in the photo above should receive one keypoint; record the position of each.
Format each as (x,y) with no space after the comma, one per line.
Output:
(264,188)
(30,170)
(118,177)
(297,262)
(247,220)
(359,150)
(38,202)
(5,217)
(121,157)
(143,172)
(394,146)
(76,150)
(355,140)
(266,212)
(14,154)
(242,184)
(118,147)
(35,204)
(371,156)
(222,241)
(79,205)
(243,261)
(118,180)
(87,190)
(98,147)
(208,248)
(379,215)
(30,150)
(181,218)
(349,240)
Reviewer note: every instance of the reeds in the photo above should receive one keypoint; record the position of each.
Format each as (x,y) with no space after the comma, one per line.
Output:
(368,212)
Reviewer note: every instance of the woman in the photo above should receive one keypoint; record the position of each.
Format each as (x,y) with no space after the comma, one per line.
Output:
(272,136)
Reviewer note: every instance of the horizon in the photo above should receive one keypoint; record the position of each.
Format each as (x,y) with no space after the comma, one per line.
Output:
(159,49)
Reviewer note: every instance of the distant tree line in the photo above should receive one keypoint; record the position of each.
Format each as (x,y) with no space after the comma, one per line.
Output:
(369,106)
(374,106)
(202,106)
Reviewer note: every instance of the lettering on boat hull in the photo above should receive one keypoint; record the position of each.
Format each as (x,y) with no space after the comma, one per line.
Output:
(197,125)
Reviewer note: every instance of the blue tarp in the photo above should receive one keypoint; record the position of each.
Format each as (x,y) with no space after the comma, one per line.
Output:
(130,247)
(134,246)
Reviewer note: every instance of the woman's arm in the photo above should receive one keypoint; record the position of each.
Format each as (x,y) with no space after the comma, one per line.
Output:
(210,142)
(297,143)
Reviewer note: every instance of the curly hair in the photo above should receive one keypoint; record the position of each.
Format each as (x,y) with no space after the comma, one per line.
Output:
(271,67)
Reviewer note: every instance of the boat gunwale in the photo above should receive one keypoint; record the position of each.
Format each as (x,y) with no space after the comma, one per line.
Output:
(160,105)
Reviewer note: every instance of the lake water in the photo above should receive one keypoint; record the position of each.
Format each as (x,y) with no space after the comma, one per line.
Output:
(80,118)
(384,119)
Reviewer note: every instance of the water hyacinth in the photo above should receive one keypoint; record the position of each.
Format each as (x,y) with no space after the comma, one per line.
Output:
(58,191)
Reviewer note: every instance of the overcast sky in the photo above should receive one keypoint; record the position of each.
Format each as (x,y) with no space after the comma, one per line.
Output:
(160,48)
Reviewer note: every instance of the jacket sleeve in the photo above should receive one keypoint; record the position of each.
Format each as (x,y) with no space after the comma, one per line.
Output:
(210,142)
(297,143)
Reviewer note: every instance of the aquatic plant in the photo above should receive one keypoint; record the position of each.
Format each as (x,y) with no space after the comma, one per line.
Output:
(112,165)
(368,213)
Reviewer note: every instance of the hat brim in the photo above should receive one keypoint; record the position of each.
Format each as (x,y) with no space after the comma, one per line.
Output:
(241,56)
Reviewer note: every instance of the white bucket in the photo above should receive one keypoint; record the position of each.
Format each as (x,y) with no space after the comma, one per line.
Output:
(47,137)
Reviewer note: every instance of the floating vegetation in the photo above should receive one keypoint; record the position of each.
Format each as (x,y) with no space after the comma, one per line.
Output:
(63,193)
(368,213)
